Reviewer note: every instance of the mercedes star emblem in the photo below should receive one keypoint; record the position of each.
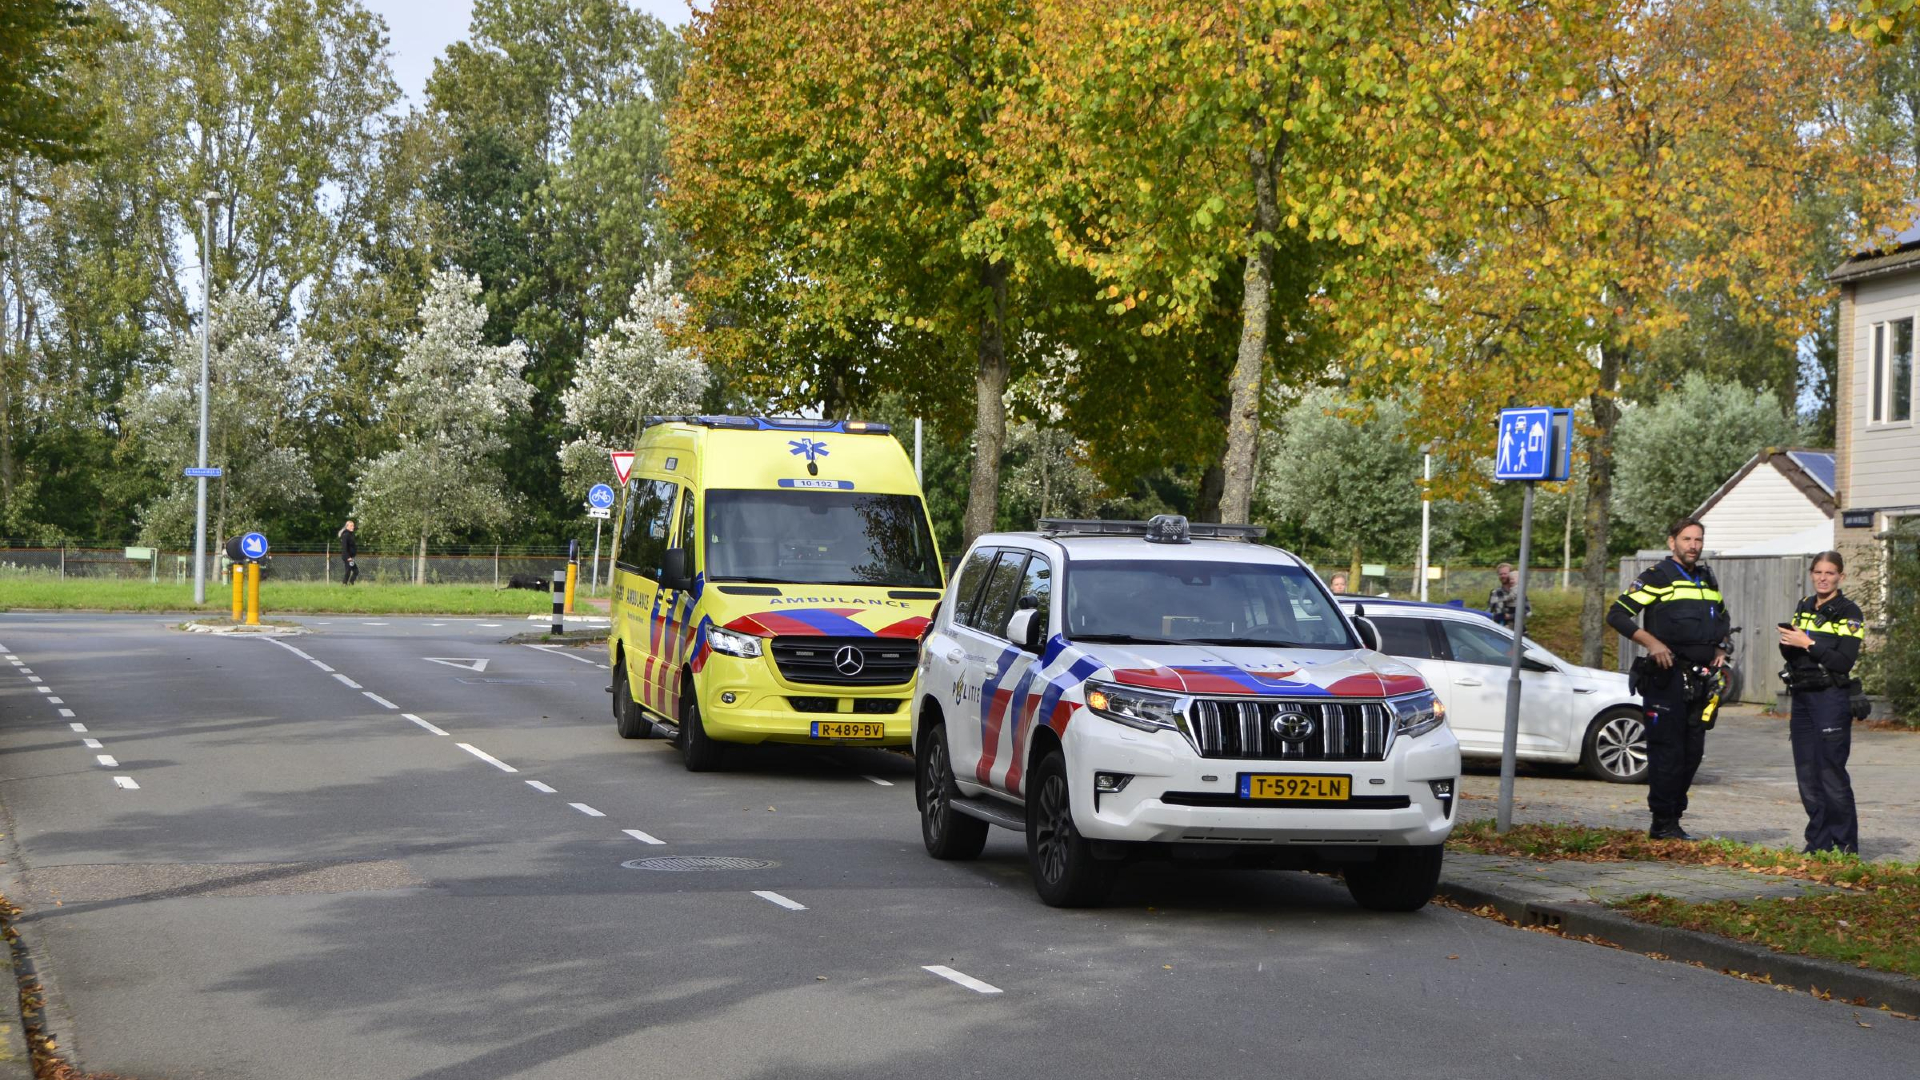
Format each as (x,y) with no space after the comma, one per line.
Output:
(1293,726)
(849,661)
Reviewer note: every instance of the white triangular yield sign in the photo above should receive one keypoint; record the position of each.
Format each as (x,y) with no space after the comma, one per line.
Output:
(622,464)
(458,661)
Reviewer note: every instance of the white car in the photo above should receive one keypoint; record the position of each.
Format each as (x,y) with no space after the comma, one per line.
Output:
(1569,715)
(1119,689)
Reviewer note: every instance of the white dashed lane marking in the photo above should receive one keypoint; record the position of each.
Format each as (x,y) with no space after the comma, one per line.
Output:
(486,757)
(56,701)
(106,760)
(538,786)
(44,689)
(66,712)
(346,680)
(378,700)
(127,782)
(558,650)
(643,837)
(323,667)
(587,810)
(34,678)
(423,723)
(78,727)
(92,744)
(877,780)
(963,979)
(776,898)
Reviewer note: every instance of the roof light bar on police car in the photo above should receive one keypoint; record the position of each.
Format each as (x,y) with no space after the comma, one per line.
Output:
(1163,529)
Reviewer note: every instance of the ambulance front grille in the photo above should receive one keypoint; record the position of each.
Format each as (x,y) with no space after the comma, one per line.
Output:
(820,661)
(1251,730)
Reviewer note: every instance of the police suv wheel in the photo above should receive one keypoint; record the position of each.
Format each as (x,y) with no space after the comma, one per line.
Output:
(947,833)
(1399,879)
(1065,872)
(1615,749)
(628,720)
(698,752)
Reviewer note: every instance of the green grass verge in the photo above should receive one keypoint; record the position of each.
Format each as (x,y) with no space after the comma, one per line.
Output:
(23,593)
(1868,921)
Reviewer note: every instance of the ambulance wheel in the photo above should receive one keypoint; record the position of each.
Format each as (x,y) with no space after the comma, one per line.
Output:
(627,717)
(1616,747)
(948,833)
(1065,872)
(1399,879)
(699,752)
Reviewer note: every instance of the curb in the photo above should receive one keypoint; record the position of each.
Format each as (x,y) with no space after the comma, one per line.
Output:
(243,631)
(544,637)
(1588,919)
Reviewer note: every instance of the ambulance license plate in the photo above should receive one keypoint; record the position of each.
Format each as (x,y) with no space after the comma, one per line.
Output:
(1313,788)
(848,729)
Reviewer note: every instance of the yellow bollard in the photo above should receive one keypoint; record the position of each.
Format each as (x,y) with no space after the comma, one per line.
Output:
(236,592)
(573,571)
(253,594)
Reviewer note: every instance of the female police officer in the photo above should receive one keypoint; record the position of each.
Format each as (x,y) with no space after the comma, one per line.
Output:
(1820,645)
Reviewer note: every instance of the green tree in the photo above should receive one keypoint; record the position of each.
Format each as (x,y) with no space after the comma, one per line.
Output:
(41,114)
(1678,450)
(1342,469)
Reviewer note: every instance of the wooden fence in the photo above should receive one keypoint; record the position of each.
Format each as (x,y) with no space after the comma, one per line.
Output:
(1761,591)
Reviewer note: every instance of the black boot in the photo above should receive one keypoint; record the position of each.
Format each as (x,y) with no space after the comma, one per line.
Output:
(1667,829)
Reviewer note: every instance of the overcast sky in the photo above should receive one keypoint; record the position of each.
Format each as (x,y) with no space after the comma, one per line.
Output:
(422,30)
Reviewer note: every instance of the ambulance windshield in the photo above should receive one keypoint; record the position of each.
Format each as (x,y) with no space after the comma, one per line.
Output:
(819,538)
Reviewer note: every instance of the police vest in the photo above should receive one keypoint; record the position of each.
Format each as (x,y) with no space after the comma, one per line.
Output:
(1681,608)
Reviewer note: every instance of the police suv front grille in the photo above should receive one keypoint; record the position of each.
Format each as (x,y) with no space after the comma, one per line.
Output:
(1248,729)
(843,661)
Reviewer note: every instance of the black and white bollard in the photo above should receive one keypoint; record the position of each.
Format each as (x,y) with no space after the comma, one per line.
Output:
(559,601)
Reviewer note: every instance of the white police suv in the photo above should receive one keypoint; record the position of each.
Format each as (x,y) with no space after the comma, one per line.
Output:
(1118,689)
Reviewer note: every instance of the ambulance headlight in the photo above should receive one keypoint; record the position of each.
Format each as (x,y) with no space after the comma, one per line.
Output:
(1134,708)
(1417,714)
(733,643)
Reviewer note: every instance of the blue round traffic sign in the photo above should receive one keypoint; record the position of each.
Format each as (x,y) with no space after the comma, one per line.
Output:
(253,546)
(601,496)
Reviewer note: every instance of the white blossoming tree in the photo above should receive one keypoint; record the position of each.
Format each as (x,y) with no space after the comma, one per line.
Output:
(632,370)
(265,386)
(451,397)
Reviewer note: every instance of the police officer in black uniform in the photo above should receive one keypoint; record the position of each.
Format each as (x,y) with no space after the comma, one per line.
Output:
(1821,645)
(1685,636)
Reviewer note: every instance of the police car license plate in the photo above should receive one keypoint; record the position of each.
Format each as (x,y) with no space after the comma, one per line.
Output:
(848,729)
(1315,788)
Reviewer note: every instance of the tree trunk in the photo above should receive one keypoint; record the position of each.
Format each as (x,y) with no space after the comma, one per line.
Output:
(1256,310)
(1596,578)
(989,409)
(1206,507)
(420,561)
(1353,570)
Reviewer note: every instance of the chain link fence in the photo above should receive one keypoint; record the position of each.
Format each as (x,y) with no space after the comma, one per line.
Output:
(447,564)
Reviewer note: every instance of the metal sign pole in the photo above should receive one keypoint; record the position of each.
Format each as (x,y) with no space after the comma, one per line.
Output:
(1510,741)
(596,557)
(206,334)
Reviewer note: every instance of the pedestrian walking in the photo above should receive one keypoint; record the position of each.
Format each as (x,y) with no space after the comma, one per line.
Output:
(1821,645)
(349,553)
(1500,603)
(1685,634)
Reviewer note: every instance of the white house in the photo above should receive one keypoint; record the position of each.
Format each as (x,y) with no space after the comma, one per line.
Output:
(1876,440)
(1781,502)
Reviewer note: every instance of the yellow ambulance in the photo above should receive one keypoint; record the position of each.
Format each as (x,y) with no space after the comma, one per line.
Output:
(772,580)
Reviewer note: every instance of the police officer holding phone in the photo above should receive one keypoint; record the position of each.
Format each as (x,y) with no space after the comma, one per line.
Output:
(1821,645)
(1685,636)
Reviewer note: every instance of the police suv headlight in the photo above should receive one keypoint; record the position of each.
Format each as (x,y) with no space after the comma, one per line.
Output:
(733,643)
(1417,714)
(1134,708)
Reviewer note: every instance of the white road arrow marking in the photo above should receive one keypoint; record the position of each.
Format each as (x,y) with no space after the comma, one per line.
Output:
(470,664)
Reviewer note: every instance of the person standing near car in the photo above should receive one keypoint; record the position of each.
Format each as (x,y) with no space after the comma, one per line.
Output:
(1501,603)
(1338,583)
(1820,646)
(349,553)
(1685,636)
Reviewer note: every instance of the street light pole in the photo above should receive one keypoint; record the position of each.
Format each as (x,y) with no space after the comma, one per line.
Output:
(1426,516)
(205,202)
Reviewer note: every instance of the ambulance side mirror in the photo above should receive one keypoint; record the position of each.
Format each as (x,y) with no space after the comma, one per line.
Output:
(674,573)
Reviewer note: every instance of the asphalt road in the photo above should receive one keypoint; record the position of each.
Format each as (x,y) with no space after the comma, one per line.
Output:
(311,880)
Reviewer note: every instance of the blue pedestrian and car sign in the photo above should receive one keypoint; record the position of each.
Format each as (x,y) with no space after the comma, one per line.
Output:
(600,497)
(210,472)
(253,546)
(1534,444)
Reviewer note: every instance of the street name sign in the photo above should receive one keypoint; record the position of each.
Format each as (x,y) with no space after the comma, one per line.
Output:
(209,472)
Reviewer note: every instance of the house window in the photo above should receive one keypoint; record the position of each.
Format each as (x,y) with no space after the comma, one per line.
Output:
(1892,390)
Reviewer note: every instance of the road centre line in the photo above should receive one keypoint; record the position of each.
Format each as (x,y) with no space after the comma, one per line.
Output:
(877,780)
(127,782)
(298,653)
(776,898)
(540,787)
(106,760)
(423,723)
(346,680)
(380,701)
(643,837)
(486,757)
(66,712)
(587,810)
(92,744)
(965,980)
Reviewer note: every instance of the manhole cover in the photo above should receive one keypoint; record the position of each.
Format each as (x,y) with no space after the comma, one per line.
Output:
(697,862)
